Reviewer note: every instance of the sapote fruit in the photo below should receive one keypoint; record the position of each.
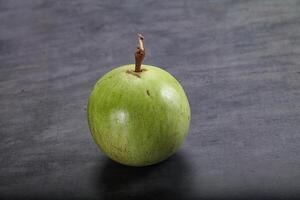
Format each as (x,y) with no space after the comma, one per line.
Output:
(138,114)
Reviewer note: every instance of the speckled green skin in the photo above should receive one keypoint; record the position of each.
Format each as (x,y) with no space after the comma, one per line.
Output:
(138,119)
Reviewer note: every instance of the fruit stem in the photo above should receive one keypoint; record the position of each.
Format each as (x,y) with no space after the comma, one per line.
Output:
(139,54)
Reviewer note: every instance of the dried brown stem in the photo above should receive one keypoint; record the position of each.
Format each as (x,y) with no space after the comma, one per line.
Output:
(139,54)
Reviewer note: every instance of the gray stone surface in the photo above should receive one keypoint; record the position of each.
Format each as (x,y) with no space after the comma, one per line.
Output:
(239,62)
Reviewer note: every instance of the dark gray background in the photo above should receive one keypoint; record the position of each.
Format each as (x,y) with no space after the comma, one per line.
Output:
(239,62)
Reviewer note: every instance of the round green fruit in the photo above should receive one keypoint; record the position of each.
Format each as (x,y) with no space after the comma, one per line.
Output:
(138,114)
(138,119)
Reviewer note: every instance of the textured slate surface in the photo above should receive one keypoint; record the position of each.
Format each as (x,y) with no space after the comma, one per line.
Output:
(239,62)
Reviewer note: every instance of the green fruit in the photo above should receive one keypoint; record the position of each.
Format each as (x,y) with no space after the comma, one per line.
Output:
(138,114)
(138,119)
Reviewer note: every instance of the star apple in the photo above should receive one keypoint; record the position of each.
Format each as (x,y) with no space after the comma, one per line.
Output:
(138,114)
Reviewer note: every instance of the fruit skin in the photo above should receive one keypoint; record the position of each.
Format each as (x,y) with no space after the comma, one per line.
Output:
(138,119)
